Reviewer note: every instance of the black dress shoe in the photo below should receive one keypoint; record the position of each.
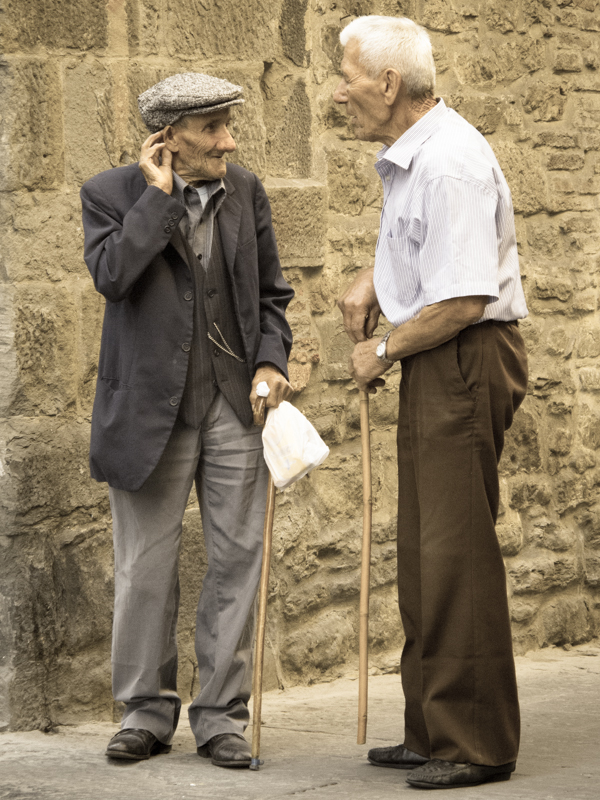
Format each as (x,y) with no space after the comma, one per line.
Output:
(398,757)
(227,750)
(438,774)
(135,744)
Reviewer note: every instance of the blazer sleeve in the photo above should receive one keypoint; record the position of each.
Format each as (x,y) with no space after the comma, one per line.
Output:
(120,243)
(274,291)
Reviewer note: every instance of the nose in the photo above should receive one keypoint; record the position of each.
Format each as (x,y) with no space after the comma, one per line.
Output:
(340,95)
(227,142)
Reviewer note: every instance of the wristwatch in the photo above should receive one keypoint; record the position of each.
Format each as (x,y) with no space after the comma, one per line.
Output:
(381,350)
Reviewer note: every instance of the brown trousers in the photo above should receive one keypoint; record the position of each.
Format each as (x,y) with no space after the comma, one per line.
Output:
(458,674)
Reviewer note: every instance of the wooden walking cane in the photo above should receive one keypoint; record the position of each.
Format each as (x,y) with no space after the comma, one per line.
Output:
(363,635)
(259,419)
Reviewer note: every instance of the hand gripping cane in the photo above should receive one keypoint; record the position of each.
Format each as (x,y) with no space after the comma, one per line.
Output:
(363,636)
(259,419)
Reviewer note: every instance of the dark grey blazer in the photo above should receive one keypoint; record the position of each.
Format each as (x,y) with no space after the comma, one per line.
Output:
(149,308)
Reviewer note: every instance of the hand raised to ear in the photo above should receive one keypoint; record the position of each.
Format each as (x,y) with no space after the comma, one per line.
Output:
(155,162)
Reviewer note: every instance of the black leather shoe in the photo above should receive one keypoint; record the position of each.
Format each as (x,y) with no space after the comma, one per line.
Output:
(135,744)
(227,750)
(438,774)
(398,757)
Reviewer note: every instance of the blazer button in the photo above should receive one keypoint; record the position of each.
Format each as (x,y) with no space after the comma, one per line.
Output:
(186,347)
(211,292)
(216,353)
(173,401)
(188,296)
(167,229)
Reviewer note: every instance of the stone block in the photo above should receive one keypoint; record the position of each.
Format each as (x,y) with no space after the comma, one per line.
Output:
(589,378)
(564,620)
(90,314)
(352,182)
(29,25)
(552,139)
(543,236)
(239,31)
(299,219)
(567,61)
(45,324)
(545,102)
(551,536)
(588,343)
(565,160)
(385,626)
(144,21)
(583,20)
(525,176)
(540,574)
(521,611)
(43,236)
(485,112)
(317,647)
(587,111)
(289,131)
(292,26)
(559,441)
(522,446)
(592,570)
(589,427)
(510,537)
(32,142)
(89,125)
(46,461)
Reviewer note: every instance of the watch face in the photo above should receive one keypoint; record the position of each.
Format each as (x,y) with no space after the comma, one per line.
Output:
(380,350)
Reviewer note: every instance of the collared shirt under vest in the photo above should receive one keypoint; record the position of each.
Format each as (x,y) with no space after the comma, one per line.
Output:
(217,358)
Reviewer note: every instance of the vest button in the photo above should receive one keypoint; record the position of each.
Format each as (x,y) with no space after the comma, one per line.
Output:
(188,295)
(211,292)
(199,256)
(173,401)
(215,382)
(186,347)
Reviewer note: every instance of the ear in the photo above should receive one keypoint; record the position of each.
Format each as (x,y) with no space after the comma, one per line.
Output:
(391,83)
(171,139)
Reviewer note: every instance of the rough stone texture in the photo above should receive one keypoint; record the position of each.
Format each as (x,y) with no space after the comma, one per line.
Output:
(526,74)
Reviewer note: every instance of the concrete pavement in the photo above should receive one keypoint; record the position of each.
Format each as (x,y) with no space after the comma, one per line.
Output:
(308,745)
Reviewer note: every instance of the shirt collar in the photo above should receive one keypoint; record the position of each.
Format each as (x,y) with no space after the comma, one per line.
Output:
(404,148)
(211,188)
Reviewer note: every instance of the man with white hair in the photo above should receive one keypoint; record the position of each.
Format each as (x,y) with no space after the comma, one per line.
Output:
(446,277)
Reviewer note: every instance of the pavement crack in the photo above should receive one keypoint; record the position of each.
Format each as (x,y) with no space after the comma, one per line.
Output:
(311,789)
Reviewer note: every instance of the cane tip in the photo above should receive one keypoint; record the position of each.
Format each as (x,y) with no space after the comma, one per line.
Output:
(255,763)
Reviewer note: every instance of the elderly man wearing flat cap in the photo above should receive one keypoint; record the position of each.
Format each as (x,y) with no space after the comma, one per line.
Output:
(182,247)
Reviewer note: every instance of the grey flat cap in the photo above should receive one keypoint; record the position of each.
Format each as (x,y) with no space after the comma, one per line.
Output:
(183,94)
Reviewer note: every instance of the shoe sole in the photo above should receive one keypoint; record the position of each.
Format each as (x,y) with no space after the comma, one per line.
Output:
(158,749)
(502,776)
(235,764)
(394,766)
(204,753)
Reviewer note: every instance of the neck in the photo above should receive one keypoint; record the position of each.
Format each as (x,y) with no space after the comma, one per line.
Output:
(407,114)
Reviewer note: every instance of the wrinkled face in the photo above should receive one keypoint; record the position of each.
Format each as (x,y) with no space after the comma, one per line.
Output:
(202,141)
(361,95)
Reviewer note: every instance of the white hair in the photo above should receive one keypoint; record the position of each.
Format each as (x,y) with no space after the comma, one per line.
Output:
(394,43)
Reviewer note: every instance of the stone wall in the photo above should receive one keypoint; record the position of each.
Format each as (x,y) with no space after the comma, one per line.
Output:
(526,73)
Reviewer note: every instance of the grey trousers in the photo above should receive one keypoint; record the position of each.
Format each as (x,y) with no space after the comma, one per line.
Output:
(226,460)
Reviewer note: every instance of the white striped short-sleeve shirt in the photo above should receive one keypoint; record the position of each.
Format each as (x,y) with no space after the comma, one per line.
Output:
(447,223)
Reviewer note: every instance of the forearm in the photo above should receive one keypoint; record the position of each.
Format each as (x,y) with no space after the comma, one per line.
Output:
(434,325)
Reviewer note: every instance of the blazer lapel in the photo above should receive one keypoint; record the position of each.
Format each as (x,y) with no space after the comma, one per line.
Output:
(178,242)
(230,217)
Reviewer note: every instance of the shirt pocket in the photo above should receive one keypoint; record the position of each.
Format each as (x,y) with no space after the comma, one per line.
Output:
(404,256)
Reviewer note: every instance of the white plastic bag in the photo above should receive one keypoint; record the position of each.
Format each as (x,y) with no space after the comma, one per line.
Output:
(292,446)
